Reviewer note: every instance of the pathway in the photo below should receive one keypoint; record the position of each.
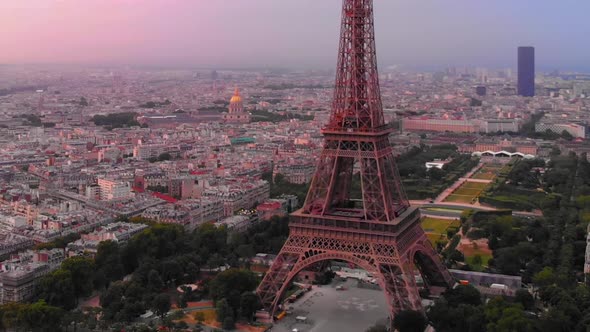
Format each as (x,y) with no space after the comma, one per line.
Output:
(464,206)
(457,184)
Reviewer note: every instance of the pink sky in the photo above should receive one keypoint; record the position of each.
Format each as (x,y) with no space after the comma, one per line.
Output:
(285,32)
(88,30)
(149,31)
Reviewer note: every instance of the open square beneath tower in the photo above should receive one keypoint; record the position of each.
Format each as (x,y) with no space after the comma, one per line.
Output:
(326,308)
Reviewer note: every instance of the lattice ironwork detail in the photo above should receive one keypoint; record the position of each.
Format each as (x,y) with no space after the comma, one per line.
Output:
(379,232)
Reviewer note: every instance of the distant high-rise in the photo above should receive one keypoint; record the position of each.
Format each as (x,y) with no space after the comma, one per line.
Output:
(526,71)
(481,90)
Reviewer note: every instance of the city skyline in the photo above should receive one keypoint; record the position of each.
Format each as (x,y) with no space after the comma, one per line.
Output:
(291,33)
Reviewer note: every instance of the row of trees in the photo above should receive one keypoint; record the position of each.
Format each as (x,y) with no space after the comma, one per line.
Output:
(421,183)
(38,316)
(232,291)
(60,242)
(155,104)
(461,309)
(116,120)
(35,121)
(64,286)
(267,116)
(160,258)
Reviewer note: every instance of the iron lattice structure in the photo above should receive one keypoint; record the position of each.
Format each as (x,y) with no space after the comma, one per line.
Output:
(378,231)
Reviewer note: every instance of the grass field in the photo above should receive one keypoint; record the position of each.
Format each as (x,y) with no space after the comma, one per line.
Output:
(466,193)
(487,172)
(485,257)
(436,228)
(484,175)
(473,249)
(208,316)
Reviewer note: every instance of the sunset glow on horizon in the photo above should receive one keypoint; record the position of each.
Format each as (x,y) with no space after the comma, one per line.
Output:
(267,32)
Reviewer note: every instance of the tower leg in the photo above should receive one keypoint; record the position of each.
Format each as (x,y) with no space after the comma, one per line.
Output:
(400,289)
(429,263)
(275,280)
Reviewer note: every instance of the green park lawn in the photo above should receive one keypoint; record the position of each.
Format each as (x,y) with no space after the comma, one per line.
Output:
(485,258)
(459,199)
(466,192)
(473,250)
(484,175)
(436,228)
(487,172)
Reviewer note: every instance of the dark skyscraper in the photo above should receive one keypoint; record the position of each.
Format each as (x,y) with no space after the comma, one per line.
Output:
(526,71)
(481,90)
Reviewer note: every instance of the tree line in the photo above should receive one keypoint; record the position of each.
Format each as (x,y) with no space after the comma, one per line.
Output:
(159,259)
(547,252)
(116,120)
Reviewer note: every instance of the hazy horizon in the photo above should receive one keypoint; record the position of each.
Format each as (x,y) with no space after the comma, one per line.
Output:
(289,33)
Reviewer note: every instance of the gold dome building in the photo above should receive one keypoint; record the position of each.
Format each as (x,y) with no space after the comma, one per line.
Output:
(236,110)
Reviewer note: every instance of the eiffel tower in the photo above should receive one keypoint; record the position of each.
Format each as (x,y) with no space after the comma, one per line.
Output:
(380,232)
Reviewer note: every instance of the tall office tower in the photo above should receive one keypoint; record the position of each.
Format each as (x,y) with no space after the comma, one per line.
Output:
(526,71)
(481,90)
(375,229)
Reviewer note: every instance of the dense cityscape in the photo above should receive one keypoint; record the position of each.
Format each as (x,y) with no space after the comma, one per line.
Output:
(138,198)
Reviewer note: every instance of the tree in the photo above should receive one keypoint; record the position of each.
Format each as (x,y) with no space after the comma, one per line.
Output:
(409,321)
(463,294)
(108,260)
(81,269)
(249,303)
(40,317)
(436,173)
(228,323)
(155,283)
(325,277)
(230,280)
(164,156)
(172,272)
(182,301)
(456,318)
(74,318)
(191,271)
(112,300)
(161,305)
(57,289)
(223,310)
(525,298)
(544,277)
(507,261)
(116,120)
(503,316)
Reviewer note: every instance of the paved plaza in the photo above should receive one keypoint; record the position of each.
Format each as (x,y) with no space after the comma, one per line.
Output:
(328,309)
